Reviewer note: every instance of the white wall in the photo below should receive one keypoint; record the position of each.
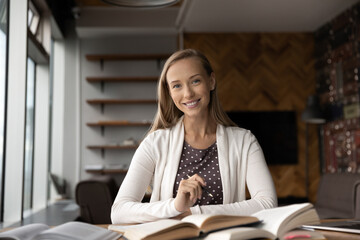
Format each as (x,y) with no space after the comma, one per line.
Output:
(58,117)
(71,147)
(41,138)
(136,44)
(66,114)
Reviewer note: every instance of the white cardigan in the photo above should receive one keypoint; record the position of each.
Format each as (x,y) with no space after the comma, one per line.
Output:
(156,161)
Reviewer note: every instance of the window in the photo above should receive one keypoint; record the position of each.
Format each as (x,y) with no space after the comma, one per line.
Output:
(29,138)
(33,18)
(3,76)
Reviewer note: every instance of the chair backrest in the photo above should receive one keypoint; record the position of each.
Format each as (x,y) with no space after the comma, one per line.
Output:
(95,197)
(336,196)
(357,200)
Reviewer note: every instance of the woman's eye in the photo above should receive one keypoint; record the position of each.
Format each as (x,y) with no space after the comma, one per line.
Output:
(196,81)
(176,86)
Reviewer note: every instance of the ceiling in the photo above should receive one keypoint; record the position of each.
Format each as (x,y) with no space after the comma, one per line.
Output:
(95,18)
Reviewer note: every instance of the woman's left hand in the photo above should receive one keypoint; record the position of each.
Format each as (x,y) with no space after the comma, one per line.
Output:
(188,192)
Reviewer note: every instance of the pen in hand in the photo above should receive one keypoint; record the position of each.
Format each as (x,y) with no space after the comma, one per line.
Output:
(204,189)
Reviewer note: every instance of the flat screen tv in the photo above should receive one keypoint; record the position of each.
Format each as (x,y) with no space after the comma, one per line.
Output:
(276,132)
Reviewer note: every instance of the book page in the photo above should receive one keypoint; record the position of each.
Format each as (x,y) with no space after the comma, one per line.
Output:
(274,217)
(147,228)
(210,222)
(240,233)
(153,230)
(25,232)
(123,228)
(310,216)
(197,219)
(78,231)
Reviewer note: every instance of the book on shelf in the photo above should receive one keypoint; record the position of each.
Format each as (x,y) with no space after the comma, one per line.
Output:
(66,231)
(94,167)
(123,166)
(268,223)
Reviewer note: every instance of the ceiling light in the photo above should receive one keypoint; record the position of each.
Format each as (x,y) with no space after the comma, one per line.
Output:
(141,3)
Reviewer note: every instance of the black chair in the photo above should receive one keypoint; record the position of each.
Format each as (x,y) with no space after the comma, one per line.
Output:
(338,196)
(95,197)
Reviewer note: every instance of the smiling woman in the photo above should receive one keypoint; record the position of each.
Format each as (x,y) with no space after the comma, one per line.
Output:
(193,149)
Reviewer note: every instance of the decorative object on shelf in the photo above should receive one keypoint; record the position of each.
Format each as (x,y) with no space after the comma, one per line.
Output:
(94,167)
(129,142)
(141,3)
(311,115)
(123,166)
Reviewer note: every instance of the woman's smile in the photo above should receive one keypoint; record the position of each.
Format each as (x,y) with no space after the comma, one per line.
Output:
(192,104)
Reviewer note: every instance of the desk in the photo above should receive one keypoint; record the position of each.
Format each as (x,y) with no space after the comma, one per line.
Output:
(330,235)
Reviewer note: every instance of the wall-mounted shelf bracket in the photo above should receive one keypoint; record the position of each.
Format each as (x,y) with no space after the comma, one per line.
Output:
(102,86)
(102,130)
(102,107)
(101,64)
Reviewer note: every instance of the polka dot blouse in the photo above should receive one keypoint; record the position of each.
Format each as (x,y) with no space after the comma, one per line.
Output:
(205,163)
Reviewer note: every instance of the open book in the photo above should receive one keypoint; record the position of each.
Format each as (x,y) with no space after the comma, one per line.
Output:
(276,223)
(66,231)
(188,227)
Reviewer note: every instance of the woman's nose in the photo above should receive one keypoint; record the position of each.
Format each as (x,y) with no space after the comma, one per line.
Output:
(189,92)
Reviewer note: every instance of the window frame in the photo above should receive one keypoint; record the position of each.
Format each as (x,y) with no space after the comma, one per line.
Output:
(3,157)
(26,212)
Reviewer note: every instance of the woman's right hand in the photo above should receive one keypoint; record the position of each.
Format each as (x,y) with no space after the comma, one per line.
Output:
(189,191)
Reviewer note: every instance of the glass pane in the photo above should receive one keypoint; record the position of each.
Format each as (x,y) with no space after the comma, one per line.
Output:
(34,24)
(33,18)
(3,67)
(29,136)
(51,84)
(30,16)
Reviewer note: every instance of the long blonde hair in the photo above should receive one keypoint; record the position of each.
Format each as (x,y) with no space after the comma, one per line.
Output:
(167,113)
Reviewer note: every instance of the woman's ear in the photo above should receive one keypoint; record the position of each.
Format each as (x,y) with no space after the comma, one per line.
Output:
(212,81)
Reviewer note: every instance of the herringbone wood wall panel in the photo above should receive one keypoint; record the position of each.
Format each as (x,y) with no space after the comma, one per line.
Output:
(267,71)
